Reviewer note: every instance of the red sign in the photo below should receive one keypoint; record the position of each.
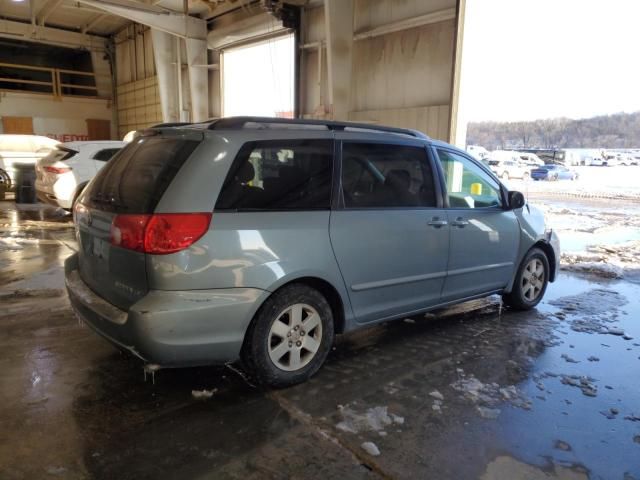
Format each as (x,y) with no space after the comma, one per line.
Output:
(67,137)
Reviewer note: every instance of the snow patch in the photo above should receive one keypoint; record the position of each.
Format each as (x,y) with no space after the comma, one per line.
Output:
(371,448)
(374,419)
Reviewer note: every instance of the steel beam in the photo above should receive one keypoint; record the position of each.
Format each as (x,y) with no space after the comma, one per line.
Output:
(180,25)
(419,21)
(46,9)
(97,19)
(51,36)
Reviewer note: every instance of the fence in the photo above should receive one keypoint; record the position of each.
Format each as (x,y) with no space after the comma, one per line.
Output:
(49,81)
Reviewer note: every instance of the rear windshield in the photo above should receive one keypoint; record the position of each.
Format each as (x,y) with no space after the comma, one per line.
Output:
(135,179)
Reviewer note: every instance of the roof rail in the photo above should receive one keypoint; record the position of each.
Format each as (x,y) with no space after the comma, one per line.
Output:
(232,123)
(170,124)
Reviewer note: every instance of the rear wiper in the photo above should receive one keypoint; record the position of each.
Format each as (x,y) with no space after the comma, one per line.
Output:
(107,201)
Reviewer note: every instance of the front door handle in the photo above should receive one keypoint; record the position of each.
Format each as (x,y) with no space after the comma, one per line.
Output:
(459,222)
(437,223)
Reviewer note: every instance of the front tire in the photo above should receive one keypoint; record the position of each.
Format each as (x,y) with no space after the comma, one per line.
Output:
(290,337)
(531,281)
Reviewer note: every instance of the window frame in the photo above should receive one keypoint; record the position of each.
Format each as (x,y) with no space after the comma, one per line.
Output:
(430,163)
(251,144)
(445,195)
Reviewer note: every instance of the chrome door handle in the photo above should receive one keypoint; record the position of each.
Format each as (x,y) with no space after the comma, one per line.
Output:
(459,222)
(437,223)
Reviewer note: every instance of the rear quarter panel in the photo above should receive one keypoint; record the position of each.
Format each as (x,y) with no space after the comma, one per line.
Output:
(262,250)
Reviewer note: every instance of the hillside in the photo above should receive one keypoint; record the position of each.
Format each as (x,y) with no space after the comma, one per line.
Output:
(621,130)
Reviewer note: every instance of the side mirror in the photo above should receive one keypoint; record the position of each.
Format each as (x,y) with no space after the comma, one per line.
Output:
(516,200)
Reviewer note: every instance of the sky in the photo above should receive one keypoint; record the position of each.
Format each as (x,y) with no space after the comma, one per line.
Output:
(531,59)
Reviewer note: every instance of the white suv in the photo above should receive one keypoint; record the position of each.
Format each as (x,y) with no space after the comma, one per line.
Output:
(506,169)
(62,175)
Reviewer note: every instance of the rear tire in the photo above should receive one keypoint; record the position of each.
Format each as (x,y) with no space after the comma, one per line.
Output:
(290,337)
(531,281)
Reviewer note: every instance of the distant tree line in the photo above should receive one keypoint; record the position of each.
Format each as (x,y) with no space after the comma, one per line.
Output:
(621,130)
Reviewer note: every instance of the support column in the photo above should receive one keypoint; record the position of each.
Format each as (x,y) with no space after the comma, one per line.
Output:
(164,54)
(102,71)
(198,78)
(339,34)
(457,117)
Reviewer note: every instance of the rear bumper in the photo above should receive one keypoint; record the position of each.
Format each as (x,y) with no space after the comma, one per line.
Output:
(52,195)
(50,199)
(170,328)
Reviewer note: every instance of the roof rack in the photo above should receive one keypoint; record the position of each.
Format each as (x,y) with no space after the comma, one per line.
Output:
(232,123)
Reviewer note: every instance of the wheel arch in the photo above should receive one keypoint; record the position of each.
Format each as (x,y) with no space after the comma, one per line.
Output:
(328,291)
(551,257)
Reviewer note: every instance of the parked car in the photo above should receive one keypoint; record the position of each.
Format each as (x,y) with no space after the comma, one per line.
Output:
(16,150)
(553,172)
(530,159)
(261,238)
(507,169)
(628,159)
(478,152)
(63,174)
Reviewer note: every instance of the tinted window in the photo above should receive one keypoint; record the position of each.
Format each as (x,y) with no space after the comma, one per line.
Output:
(106,154)
(468,186)
(279,175)
(137,177)
(378,175)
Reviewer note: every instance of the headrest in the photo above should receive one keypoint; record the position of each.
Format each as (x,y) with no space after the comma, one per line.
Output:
(400,178)
(245,173)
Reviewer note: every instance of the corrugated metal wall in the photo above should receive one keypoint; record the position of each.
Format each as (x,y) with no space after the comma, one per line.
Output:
(402,78)
(137,99)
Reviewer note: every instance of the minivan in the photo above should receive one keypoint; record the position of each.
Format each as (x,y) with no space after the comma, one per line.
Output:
(259,239)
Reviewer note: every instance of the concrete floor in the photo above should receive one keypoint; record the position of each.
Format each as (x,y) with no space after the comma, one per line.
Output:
(474,392)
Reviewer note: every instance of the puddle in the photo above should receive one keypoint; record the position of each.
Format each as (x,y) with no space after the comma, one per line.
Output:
(589,421)
(577,241)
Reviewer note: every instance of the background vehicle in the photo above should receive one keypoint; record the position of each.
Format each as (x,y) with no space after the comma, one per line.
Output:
(247,238)
(478,152)
(20,150)
(553,172)
(506,169)
(61,175)
(530,159)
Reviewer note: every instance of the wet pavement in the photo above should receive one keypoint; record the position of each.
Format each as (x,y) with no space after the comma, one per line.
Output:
(475,391)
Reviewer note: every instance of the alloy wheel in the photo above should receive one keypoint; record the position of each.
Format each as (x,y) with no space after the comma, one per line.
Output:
(294,337)
(533,278)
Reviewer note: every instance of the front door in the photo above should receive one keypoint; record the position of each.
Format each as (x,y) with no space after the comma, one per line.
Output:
(484,236)
(389,236)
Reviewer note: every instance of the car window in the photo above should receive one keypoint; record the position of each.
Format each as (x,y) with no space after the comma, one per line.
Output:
(379,175)
(279,175)
(137,177)
(106,154)
(468,186)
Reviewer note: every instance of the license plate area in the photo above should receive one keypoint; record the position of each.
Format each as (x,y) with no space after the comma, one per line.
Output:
(100,249)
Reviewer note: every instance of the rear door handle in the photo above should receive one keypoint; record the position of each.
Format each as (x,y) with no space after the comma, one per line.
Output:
(437,223)
(459,222)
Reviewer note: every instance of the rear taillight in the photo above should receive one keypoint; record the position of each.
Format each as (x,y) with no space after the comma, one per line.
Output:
(160,233)
(56,170)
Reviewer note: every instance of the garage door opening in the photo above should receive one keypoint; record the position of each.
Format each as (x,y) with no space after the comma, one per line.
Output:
(259,79)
